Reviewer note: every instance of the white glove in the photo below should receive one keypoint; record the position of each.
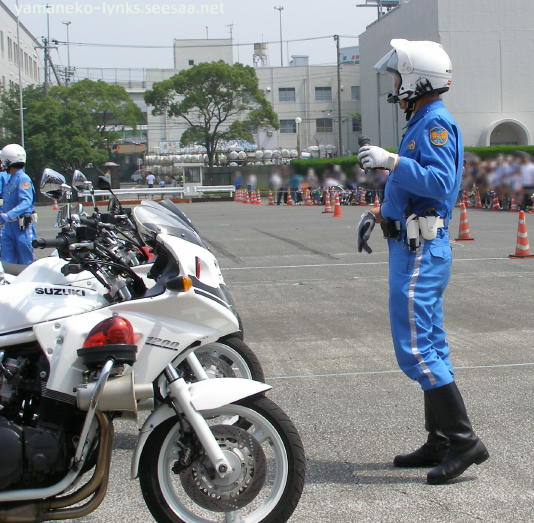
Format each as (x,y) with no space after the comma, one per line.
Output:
(373,157)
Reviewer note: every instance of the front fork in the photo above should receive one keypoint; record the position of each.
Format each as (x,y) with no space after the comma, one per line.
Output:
(181,401)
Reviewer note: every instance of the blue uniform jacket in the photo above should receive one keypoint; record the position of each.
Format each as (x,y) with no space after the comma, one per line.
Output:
(429,171)
(18,194)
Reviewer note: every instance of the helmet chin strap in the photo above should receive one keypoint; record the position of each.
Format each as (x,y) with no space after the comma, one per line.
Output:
(409,109)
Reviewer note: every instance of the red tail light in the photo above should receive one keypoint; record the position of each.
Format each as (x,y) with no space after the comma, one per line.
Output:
(112,331)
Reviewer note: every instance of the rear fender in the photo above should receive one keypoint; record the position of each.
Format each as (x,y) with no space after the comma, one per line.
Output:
(205,395)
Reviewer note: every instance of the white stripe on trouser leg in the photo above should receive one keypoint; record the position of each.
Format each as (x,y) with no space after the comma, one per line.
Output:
(411,315)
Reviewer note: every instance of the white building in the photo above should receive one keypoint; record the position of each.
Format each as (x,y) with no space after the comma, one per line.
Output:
(491,45)
(299,91)
(10,55)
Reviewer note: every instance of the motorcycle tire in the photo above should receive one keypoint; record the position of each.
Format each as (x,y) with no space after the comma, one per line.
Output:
(157,473)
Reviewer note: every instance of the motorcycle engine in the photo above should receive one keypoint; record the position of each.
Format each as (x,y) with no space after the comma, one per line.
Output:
(35,431)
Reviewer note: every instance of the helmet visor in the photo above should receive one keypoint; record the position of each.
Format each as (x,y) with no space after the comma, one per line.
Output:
(388,63)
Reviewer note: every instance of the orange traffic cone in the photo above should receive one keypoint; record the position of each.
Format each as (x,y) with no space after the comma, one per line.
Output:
(496,206)
(522,248)
(271,201)
(308,202)
(337,208)
(478,201)
(513,206)
(55,206)
(531,205)
(289,198)
(327,203)
(464,233)
(377,201)
(258,198)
(465,199)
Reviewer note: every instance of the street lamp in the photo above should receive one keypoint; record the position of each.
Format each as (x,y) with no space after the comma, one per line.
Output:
(19,62)
(298,121)
(280,8)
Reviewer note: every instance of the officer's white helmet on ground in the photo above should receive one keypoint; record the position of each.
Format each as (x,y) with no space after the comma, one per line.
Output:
(423,67)
(12,154)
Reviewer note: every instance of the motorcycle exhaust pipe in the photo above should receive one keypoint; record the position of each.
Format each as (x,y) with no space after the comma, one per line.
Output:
(25,513)
(119,394)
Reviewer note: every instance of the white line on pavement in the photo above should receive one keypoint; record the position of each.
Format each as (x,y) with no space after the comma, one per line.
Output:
(342,264)
(368,373)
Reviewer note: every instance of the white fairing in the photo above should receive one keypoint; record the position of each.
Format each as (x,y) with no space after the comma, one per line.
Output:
(49,270)
(31,303)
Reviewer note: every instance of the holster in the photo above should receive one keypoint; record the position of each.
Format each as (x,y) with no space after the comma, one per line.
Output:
(390,228)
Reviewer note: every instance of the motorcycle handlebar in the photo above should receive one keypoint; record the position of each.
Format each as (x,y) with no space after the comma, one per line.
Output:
(51,243)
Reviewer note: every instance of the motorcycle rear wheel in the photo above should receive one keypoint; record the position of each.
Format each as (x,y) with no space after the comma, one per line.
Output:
(169,502)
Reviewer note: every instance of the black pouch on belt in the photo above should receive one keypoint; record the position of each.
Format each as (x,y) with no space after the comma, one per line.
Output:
(389,228)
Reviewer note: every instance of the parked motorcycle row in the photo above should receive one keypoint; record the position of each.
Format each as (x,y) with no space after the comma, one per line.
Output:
(132,314)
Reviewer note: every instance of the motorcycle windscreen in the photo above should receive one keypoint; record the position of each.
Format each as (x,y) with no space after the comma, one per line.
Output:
(153,219)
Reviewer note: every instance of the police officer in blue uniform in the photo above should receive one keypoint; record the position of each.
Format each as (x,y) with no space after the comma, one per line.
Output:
(420,194)
(19,197)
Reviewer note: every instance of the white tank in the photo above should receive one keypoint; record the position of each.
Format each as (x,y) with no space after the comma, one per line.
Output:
(293,153)
(267,154)
(285,153)
(277,154)
(233,155)
(259,155)
(242,155)
(233,164)
(34,302)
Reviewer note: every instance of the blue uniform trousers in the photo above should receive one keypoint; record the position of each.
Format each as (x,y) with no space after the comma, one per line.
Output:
(16,245)
(417,281)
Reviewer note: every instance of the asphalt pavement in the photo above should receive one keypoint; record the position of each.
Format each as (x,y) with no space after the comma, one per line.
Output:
(315,312)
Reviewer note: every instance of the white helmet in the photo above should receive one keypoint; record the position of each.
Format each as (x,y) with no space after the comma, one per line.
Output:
(423,66)
(12,154)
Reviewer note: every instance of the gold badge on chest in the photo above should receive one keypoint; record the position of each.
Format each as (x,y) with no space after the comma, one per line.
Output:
(411,145)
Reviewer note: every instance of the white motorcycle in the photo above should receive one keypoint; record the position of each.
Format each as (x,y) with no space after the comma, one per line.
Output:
(70,362)
(227,357)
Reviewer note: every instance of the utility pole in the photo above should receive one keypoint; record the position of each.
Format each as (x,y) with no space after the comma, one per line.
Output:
(231,27)
(19,60)
(67,76)
(45,51)
(280,8)
(339,129)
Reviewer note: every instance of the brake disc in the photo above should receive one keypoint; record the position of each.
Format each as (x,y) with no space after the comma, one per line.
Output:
(238,488)
(216,367)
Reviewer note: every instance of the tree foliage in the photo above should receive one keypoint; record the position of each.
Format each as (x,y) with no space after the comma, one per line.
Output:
(218,101)
(69,128)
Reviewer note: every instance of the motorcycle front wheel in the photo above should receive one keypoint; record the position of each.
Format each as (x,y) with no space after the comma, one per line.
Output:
(268,468)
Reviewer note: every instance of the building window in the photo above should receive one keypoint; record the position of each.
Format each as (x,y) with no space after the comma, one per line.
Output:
(356,125)
(323,125)
(286,94)
(288,126)
(323,94)
(191,62)
(2,43)
(355,92)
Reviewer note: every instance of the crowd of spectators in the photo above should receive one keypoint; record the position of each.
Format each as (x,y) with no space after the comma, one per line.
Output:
(510,176)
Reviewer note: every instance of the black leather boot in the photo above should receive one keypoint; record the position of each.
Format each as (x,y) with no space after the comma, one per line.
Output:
(432,452)
(465,448)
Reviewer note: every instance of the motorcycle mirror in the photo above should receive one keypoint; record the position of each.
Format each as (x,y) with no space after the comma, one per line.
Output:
(52,184)
(103,183)
(79,181)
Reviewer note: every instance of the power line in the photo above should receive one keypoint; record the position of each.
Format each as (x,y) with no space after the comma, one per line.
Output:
(142,46)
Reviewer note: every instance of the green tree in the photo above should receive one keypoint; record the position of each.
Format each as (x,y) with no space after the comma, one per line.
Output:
(67,129)
(218,101)
(111,108)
